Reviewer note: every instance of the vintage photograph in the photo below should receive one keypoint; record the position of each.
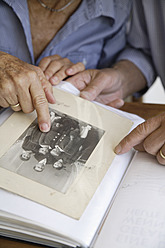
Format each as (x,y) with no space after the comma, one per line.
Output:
(53,159)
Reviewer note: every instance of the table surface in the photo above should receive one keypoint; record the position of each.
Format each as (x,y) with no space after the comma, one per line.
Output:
(145,111)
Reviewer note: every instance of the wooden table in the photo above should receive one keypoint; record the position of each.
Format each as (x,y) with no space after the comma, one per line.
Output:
(142,109)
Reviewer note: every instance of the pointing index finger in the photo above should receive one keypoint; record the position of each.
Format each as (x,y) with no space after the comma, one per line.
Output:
(138,135)
(41,105)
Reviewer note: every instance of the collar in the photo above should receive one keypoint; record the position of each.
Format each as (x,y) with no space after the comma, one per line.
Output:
(18,2)
(96,8)
(93,8)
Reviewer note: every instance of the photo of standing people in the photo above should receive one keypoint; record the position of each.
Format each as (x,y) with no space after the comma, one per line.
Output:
(55,158)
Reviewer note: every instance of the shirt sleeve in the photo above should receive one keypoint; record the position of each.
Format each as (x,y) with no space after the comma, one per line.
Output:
(138,46)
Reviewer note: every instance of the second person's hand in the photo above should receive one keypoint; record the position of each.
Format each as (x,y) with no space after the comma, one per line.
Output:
(103,86)
(57,68)
(111,85)
(148,136)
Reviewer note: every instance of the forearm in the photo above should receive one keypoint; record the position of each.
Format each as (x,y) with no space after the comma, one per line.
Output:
(132,79)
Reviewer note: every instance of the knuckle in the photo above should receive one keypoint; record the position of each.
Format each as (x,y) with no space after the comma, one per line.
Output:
(19,82)
(47,87)
(49,72)
(81,65)
(23,79)
(46,60)
(61,74)
(67,61)
(55,63)
(56,56)
(6,89)
(94,90)
(38,70)
(32,75)
(148,147)
(141,129)
(39,73)
(39,100)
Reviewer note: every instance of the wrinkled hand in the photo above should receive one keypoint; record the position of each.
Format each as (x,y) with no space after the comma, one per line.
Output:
(103,86)
(148,136)
(111,85)
(25,84)
(57,68)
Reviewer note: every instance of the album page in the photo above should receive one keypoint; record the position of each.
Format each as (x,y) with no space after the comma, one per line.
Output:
(63,168)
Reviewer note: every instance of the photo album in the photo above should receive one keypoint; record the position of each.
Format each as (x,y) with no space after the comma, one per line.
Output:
(56,188)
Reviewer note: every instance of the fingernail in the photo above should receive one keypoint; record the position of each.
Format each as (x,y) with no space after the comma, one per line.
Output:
(69,71)
(117,149)
(44,127)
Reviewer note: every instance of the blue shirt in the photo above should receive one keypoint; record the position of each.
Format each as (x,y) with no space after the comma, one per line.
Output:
(146,40)
(94,34)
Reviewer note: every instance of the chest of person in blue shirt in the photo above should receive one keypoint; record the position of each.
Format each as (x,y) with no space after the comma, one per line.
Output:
(42,45)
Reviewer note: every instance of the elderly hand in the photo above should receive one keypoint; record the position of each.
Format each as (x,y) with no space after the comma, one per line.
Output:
(111,85)
(57,68)
(24,86)
(148,136)
(103,86)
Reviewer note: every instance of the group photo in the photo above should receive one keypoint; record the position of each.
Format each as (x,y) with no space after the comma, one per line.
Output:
(53,158)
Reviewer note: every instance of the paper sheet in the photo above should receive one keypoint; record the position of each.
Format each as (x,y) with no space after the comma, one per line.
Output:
(96,209)
(137,216)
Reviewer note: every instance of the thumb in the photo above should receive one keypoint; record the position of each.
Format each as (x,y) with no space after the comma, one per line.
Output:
(92,90)
(118,103)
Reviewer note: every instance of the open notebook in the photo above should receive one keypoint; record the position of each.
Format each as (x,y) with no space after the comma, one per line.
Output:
(62,206)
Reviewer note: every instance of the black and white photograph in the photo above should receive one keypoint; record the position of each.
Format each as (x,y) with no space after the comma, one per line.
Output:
(63,168)
(55,158)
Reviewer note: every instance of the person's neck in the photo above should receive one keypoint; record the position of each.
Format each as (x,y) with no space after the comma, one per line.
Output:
(45,24)
(55,4)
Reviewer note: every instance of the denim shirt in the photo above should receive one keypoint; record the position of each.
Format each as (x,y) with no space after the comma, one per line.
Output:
(94,34)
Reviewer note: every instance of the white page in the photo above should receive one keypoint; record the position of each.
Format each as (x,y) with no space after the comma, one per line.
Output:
(137,217)
(96,208)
